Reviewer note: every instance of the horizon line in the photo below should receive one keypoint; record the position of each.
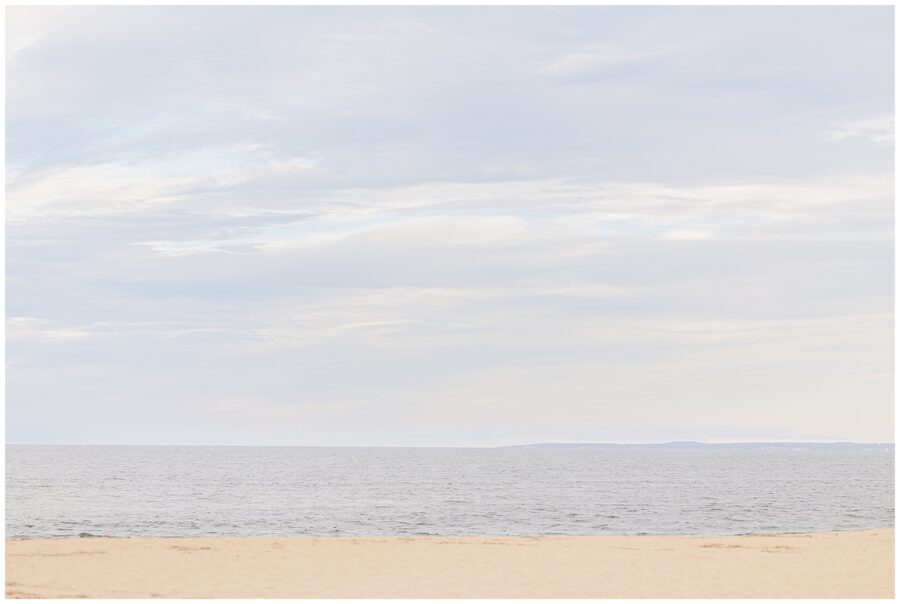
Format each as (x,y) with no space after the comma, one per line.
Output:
(495,446)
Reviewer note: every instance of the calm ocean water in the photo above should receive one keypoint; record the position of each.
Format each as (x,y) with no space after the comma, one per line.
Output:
(67,491)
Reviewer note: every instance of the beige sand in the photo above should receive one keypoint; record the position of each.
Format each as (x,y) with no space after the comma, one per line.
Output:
(821,565)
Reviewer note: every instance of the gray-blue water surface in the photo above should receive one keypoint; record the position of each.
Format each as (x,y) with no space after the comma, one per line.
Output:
(67,491)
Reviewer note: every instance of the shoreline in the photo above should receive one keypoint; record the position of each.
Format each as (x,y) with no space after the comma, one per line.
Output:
(837,564)
(88,536)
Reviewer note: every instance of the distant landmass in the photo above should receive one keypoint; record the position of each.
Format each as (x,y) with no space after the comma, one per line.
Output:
(793,446)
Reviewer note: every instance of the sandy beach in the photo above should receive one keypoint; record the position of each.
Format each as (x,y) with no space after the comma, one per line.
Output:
(820,565)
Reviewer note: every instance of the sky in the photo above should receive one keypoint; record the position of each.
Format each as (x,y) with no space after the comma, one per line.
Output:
(460,226)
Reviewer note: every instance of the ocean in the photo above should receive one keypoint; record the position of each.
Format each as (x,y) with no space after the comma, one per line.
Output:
(72,491)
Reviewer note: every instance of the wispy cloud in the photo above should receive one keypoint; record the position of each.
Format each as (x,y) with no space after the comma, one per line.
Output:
(595,58)
(878,129)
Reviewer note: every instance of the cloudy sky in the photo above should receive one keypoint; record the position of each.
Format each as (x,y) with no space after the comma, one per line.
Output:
(449,226)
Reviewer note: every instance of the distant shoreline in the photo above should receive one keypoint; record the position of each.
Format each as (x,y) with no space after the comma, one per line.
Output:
(853,564)
(762,445)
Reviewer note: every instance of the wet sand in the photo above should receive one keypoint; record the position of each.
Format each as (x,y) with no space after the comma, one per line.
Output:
(856,564)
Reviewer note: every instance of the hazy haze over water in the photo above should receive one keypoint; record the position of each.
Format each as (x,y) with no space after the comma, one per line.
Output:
(66,491)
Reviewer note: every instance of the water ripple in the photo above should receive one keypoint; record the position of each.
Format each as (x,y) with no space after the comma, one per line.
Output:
(239,491)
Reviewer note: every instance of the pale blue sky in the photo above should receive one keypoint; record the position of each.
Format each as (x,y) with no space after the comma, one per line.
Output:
(449,226)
